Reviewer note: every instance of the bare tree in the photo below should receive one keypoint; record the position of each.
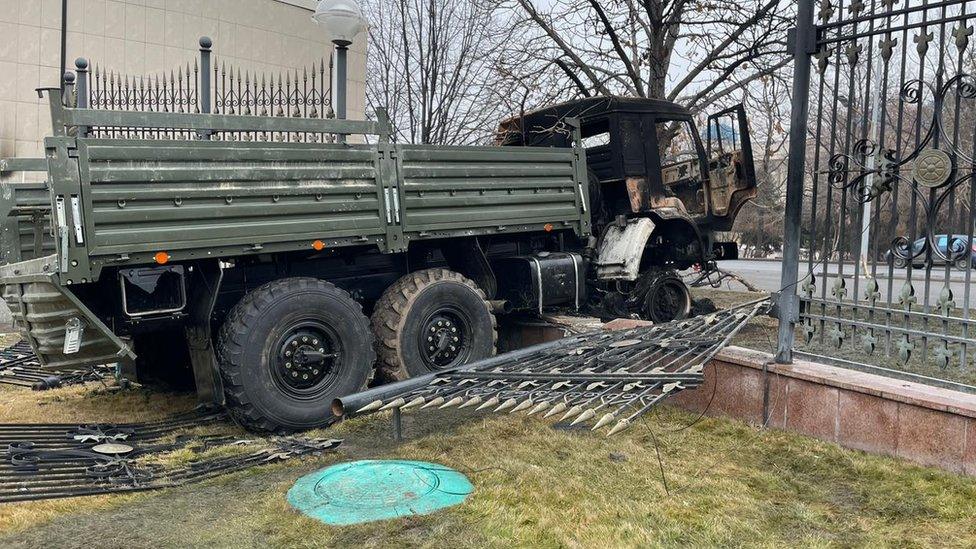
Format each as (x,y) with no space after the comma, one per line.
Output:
(760,224)
(694,52)
(432,64)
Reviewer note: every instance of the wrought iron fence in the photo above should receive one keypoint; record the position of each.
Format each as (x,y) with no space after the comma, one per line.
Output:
(884,167)
(206,85)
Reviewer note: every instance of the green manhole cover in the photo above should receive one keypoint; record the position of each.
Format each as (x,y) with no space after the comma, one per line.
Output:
(365,491)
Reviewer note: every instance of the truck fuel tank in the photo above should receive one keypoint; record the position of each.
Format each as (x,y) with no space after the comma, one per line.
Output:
(532,282)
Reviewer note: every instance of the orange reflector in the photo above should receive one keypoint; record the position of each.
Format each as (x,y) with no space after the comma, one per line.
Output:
(547,227)
(162,258)
(318,245)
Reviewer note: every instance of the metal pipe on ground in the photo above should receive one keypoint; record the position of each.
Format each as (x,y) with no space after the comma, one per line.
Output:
(348,406)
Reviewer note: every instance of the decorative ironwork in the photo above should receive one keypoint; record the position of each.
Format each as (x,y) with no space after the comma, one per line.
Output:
(300,94)
(612,378)
(889,219)
(40,461)
(19,366)
(206,86)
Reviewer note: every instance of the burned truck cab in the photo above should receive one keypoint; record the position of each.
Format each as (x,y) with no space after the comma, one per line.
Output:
(660,191)
(646,158)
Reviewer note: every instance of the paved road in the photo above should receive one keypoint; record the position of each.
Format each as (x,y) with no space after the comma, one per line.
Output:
(766,276)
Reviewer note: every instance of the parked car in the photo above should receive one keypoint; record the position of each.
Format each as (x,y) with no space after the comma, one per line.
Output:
(950,247)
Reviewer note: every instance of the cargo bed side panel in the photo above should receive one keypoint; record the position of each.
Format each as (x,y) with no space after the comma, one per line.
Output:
(212,198)
(482,190)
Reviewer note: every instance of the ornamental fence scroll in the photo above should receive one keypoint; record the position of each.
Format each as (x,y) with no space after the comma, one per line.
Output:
(206,85)
(886,241)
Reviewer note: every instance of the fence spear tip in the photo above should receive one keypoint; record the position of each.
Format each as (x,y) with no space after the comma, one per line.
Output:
(488,403)
(555,410)
(453,402)
(396,403)
(375,405)
(538,408)
(525,404)
(413,403)
(471,402)
(506,405)
(583,417)
(605,420)
(435,402)
(571,412)
(620,426)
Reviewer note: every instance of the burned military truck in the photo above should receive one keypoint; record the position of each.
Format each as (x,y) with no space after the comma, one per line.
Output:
(285,269)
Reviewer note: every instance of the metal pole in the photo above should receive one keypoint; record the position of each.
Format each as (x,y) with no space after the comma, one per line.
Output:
(64,36)
(342,48)
(804,44)
(397,425)
(81,68)
(206,102)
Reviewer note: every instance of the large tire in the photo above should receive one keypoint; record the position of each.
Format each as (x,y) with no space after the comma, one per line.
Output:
(667,298)
(415,304)
(288,348)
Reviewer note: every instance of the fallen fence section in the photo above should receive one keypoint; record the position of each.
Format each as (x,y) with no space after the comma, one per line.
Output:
(612,377)
(19,366)
(49,461)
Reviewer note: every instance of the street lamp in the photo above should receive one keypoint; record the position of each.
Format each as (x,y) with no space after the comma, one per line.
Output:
(343,19)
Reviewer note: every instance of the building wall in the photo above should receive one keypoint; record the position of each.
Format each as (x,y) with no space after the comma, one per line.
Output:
(143,37)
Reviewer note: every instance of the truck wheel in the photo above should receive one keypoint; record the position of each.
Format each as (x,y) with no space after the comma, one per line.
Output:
(290,347)
(667,299)
(431,320)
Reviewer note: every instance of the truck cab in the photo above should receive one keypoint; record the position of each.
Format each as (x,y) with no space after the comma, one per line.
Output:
(646,158)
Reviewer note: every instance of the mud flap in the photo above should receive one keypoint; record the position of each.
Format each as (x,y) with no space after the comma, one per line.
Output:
(204,285)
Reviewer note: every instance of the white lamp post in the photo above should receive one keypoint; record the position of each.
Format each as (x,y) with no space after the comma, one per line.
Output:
(343,19)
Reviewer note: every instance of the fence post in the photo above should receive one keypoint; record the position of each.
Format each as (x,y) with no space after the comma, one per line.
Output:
(206,103)
(205,96)
(81,68)
(68,81)
(803,45)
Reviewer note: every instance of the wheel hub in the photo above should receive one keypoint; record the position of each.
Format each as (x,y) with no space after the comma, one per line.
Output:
(443,340)
(306,356)
(666,301)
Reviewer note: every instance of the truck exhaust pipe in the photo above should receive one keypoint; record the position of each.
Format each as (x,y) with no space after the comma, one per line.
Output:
(501,306)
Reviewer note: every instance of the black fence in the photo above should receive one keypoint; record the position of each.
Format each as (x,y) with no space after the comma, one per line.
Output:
(880,215)
(205,85)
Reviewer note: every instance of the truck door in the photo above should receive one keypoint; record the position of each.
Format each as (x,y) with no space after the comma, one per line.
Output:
(678,153)
(731,172)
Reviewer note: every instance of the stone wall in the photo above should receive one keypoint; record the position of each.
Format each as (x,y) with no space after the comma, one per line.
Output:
(925,424)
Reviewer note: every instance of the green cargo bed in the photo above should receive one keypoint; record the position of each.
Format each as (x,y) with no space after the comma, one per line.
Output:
(119,202)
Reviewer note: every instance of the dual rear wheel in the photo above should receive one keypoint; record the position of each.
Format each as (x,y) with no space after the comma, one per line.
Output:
(291,346)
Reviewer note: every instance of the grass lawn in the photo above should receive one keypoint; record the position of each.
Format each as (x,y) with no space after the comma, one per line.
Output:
(724,483)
